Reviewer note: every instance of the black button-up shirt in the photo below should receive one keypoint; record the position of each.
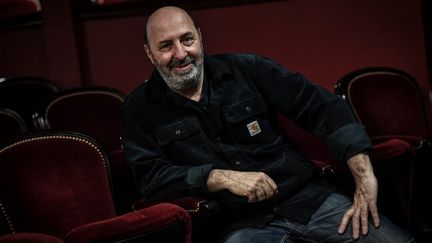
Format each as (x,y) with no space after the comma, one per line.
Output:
(173,143)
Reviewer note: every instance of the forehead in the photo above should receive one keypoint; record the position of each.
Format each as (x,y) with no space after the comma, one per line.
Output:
(168,26)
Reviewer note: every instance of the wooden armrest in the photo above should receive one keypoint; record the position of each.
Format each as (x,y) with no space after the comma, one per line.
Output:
(194,206)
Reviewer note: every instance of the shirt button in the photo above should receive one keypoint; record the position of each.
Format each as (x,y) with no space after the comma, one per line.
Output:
(177,132)
(247,108)
(237,162)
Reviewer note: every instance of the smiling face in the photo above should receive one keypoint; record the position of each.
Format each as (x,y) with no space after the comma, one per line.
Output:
(175,48)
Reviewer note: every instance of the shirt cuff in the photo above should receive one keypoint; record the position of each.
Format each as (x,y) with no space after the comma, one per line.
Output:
(197,179)
(348,141)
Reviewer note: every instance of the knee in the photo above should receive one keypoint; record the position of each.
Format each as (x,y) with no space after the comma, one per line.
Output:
(388,232)
(240,236)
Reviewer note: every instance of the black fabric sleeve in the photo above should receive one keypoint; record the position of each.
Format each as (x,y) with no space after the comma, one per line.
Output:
(312,107)
(348,141)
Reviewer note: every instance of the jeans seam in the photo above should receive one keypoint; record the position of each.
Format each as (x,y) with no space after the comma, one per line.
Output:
(284,238)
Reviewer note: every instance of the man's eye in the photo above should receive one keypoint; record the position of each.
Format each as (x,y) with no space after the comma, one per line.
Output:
(164,47)
(188,41)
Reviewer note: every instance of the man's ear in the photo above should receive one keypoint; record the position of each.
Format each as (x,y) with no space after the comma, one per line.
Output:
(149,55)
(199,34)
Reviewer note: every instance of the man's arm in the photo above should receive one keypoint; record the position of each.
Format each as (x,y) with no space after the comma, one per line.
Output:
(365,197)
(158,178)
(329,117)
(256,186)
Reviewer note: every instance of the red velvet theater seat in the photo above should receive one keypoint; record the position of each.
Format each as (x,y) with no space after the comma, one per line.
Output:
(94,111)
(58,184)
(390,104)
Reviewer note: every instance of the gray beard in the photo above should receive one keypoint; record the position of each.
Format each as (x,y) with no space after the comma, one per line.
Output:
(186,81)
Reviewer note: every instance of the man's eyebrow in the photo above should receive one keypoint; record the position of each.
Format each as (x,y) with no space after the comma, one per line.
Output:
(189,33)
(161,43)
(168,41)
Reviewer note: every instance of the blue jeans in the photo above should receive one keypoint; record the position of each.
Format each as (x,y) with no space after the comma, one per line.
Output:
(322,227)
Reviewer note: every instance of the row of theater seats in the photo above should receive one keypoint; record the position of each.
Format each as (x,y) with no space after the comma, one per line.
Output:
(35,104)
(40,105)
(62,172)
(400,131)
(55,186)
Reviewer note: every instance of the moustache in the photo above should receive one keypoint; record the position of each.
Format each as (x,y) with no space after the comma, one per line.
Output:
(177,63)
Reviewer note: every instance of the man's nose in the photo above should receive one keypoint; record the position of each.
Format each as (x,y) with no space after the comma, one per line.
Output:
(179,51)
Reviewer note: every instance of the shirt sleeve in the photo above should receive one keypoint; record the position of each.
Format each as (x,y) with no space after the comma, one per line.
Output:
(348,141)
(312,107)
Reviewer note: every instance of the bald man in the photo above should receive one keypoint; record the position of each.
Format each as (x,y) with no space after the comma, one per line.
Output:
(205,126)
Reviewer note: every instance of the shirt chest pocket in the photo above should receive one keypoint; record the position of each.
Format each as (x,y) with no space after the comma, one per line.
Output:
(246,119)
(244,109)
(177,130)
(184,141)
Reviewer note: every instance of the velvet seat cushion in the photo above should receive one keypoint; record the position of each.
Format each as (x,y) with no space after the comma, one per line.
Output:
(131,225)
(29,238)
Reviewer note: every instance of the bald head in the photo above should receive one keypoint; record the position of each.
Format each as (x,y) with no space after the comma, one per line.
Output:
(165,18)
(174,46)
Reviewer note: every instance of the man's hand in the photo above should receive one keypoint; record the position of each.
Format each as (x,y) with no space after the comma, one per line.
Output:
(256,186)
(365,197)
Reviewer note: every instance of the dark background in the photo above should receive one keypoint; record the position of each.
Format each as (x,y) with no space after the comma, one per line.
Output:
(76,44)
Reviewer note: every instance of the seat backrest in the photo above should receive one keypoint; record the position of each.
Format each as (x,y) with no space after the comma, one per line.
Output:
(94,111)
(51,182)
(11,124)
(387,101)
(23,94)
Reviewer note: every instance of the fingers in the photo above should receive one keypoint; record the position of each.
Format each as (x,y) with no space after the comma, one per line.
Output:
(345,220)
(355,224)
(259,194)
(364,218)
(358,214)
(271,186)
(375,216)
(268,188)
(260,188)
(256,186)
(352,215)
